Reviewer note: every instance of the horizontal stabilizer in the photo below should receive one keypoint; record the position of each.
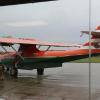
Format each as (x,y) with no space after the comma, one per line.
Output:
(94,33)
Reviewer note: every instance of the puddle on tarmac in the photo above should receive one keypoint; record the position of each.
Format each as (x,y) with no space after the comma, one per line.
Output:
(57,84)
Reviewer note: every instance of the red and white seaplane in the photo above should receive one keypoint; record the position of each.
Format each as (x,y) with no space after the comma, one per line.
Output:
(29,55)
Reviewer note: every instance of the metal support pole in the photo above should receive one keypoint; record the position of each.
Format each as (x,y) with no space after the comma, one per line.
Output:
(90,50)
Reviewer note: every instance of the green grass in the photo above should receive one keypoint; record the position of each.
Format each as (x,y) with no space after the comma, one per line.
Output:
(86,60)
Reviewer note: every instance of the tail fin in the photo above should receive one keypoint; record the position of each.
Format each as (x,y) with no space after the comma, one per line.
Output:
(95,39)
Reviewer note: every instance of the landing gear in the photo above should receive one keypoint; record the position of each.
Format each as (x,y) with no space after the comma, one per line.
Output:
(7,69)
(13,72)
(40,71)
(1,72)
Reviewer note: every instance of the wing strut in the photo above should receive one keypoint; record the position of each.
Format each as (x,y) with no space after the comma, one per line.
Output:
(4,48)
(48,48)
(17,52)
(39,46)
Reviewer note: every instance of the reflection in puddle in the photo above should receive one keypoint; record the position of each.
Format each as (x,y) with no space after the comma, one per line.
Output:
(2,98)
(67,83)
(40,79)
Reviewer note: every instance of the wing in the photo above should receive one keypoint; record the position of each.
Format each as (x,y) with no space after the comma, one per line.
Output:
(94,33)
(7,41)
(15,2)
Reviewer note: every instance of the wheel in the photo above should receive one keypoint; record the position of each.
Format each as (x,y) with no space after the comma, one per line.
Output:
(40,71)
(14,72)
(7,69)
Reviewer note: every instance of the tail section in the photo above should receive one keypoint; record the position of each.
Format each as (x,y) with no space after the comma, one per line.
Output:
(95,43)
(95,39)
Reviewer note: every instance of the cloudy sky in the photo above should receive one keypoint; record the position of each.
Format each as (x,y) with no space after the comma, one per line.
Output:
(59,21)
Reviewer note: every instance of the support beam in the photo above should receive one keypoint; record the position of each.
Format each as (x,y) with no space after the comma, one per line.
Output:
(4,48)
(17,52)
(39,46)
(48,48)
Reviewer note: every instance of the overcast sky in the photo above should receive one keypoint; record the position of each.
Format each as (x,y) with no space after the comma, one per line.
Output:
(59,21)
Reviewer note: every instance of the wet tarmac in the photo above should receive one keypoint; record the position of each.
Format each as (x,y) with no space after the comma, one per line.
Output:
(69,82)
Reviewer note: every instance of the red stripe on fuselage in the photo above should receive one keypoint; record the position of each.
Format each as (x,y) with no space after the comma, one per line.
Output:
(66,53)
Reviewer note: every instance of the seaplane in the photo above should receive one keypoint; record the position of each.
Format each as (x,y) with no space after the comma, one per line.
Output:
(29,55)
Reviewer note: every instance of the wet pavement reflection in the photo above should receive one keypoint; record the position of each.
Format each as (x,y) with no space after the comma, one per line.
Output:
(66,83)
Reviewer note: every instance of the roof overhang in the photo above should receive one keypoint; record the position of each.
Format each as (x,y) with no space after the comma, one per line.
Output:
(15,2)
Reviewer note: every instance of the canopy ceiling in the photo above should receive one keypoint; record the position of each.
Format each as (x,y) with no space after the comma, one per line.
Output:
(15,2)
